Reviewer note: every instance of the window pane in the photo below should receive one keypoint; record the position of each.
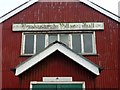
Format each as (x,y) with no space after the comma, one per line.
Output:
(87,39)
(76,43)
(52,38)
(29,44)
(64,38)
(40,42)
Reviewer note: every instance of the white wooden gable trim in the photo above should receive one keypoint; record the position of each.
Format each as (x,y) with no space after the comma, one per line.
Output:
(51,49)
(103,11)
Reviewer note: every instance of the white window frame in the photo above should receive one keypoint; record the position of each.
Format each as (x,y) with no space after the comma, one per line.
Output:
(47,42)
(36,82)
(23,44)
(93,43)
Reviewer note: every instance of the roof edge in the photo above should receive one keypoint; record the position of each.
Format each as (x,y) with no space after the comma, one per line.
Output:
(101,10)
(87,2)
(17,10)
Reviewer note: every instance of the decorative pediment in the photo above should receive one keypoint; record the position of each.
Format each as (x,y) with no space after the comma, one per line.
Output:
(57,46)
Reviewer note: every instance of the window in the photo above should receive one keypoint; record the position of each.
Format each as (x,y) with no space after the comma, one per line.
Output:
(64,38)
(83,43)
(32,43)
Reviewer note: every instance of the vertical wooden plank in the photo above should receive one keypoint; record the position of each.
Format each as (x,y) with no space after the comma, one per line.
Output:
(0,55)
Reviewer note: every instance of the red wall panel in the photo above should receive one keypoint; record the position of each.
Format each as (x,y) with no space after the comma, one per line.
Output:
(106,41)
(0,56)
(119,55)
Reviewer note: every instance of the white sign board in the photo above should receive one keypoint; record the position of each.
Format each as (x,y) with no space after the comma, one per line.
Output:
(55,79)
(58,26)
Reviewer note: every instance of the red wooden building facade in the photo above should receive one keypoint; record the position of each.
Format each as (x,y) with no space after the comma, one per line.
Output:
(60,45)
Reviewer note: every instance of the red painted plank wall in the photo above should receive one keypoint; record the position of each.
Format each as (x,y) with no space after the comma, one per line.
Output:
(106,41)
(0,56)
(119,55)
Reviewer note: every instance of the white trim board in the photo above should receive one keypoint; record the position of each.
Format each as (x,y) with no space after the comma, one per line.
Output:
(87,2)
(57,79)
(57,46)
